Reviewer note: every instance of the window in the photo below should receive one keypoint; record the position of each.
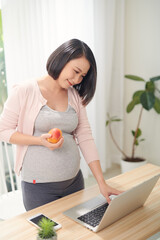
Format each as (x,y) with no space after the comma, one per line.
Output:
(3,83)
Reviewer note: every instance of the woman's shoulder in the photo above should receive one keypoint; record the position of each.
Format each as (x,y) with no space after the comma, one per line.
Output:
(25,87)
(27,84)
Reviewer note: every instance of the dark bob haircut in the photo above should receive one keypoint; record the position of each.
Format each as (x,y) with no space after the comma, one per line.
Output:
(70,50)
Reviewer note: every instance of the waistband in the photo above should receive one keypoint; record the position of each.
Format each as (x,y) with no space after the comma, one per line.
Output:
(58,185)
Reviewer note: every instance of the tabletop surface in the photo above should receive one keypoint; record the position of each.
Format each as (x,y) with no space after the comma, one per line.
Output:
(138,225)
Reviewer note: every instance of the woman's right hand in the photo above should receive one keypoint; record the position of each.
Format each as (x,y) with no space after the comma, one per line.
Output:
(51,146)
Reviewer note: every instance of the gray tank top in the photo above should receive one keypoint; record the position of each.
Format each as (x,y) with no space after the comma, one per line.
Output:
(44,165)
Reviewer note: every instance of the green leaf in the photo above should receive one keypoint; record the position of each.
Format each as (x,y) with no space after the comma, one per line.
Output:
(107,122)
(138,93)
(157,105)
(153,79)
(136,143)
(114,117)
(133,133)
(130,106)
(139,133)
(141,140)
(135,101)
(117,120)
(150,86)
(136,78)
(147,100)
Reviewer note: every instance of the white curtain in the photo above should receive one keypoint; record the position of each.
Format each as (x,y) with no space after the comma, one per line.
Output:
(33,29)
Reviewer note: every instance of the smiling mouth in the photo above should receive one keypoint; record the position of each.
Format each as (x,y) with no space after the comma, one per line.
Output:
(69,82)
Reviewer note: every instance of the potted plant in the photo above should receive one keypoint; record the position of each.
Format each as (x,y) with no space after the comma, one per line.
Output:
(46,230)
(148,100)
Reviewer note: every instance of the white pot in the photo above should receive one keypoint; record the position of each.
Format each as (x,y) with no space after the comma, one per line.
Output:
(53,238)
(128,166)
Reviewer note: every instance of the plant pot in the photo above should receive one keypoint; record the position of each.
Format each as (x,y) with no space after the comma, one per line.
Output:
(52,238)
(128,165)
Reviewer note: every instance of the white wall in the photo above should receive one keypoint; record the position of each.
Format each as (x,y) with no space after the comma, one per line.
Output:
(142,57)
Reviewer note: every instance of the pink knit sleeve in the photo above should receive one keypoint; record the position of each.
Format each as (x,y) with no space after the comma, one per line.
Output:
(9,116)
(84,136)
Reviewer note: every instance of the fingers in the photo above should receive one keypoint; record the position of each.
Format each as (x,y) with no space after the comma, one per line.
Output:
(49,145)
(57,145)
(46,135)
(116,192)
(108,199)
(60,142)
(107,191)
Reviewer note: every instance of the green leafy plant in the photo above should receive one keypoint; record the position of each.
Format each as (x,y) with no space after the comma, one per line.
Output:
(46,230)
(148,100)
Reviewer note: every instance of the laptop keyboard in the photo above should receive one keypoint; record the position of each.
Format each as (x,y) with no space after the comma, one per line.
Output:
(94,217)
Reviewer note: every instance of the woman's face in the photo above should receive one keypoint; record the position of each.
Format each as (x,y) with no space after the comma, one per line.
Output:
(73,72)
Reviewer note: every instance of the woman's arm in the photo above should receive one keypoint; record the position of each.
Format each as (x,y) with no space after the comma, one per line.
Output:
(9,121)
(24,139)
(105,189)
(88,148)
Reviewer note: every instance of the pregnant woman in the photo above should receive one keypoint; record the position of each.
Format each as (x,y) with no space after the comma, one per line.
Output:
(50,171)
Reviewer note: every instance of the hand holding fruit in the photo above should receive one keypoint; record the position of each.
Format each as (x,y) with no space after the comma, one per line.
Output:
(53,139)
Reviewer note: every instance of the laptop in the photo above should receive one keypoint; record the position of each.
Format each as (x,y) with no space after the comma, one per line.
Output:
(97,214)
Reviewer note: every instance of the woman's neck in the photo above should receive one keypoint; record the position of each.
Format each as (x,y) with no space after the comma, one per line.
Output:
(51,85)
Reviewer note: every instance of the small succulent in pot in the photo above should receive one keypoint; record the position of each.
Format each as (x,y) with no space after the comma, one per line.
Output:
(46,230)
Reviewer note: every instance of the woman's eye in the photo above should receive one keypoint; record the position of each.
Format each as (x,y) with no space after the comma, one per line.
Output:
(78,73)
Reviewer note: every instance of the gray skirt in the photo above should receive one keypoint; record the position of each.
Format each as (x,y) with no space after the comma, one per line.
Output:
(35,195)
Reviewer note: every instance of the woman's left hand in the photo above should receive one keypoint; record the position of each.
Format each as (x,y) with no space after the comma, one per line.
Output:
(107,190)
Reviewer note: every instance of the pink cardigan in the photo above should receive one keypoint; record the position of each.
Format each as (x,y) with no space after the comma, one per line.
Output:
(20,112)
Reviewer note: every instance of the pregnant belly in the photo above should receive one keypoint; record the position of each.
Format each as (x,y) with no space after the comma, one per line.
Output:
(45,165)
